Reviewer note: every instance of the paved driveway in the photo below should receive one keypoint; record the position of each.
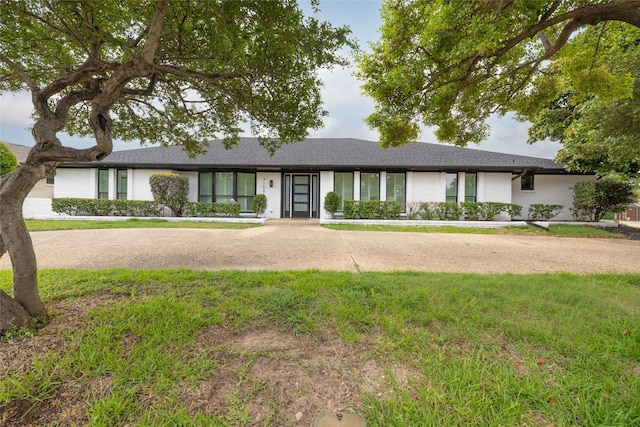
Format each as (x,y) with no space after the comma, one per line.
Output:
(305,245)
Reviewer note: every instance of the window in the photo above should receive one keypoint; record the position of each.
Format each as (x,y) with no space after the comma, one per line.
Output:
(396,188)
(121,184)
(470,187)
(205,187)
(343,186)
(369,186)
(526,183)
(245,190)
(221,187)
(452,187)
(103,183)
(50,180)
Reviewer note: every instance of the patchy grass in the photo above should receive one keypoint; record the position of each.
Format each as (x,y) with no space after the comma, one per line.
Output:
(59,224)
(558,230)
(234,348)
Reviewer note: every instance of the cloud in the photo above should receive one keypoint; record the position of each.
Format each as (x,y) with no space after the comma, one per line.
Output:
(15,109)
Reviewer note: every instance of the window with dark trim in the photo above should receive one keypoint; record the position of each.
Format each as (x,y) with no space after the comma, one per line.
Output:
(452,187)
(470,187)
(369,186)
(103,183)
(343,187)
(50,180)
(396,188)
(222,187)
(121,184)
(527,183)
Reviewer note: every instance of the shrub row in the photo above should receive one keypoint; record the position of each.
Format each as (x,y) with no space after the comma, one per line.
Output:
(139,208)
(450,211)
(472,211)
(104,207)
(208,209)
(371,209)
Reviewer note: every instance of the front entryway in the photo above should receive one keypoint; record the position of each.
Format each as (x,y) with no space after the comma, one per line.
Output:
(300,198)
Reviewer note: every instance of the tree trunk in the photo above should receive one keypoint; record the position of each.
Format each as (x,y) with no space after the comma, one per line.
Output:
(14,188)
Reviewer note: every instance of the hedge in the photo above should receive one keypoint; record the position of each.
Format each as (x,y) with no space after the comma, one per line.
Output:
(543,212)
(138,208)
(105,207)
(371,209)
(217,209)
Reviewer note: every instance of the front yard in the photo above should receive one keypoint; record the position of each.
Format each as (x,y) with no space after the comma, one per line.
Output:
(179,347)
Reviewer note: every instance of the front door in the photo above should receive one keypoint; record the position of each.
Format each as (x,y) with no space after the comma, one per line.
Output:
(301,196)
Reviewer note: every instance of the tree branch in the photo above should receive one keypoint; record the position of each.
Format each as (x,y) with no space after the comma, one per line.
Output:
(20,72)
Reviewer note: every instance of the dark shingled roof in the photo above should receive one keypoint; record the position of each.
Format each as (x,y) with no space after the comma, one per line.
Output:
(328,154)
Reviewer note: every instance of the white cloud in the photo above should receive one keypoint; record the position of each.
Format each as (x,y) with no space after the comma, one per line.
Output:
(15,109)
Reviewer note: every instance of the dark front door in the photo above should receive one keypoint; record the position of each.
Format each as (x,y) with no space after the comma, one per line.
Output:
(301,196)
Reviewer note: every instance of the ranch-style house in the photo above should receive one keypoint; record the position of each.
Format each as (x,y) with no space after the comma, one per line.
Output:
(299,175)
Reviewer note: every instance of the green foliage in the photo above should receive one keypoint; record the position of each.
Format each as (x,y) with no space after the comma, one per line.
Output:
(543,212)
(171,190)
(207,209)
(371,209)
(331,203)
(444,64)
(596,124)
(259,204)
(216,64)
(593,199)
(104,207)
(8,161)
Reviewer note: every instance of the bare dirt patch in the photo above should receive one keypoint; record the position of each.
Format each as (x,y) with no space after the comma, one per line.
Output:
(284,379)
(271,376)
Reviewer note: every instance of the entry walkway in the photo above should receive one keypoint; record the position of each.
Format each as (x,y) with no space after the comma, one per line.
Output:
(303,244)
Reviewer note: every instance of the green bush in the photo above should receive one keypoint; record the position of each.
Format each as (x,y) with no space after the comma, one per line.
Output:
(207,209)
(8,161)
(331,203)
(543,212)
(171,190)
(371,209)
(593,199)
(473,211)
(259,204)
(104,207)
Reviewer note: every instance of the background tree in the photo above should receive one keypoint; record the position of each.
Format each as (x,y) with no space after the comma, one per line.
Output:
(594,199)
(8,161)
(171,190)
(452,64)
(599,130)
(170,72)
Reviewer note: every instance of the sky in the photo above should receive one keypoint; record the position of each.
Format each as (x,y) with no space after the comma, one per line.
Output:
(342,97)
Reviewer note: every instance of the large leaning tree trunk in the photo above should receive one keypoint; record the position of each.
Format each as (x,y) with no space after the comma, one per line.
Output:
(49,152)
(170,72)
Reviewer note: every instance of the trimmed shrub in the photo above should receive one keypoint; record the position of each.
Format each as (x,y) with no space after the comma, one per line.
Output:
(259,204)
(104,207)
(543,212)
(473,211)
(170,189)
(371,209)
(331,203)
(207,209)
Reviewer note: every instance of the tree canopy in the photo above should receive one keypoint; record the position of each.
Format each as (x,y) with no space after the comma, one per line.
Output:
(599,129)
(452,64)
(157,71)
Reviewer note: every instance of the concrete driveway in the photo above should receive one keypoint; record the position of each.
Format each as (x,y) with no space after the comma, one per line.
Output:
(284,245)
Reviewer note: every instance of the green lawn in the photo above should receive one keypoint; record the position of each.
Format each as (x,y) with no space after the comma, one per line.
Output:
(558,230)
(46,225)
(231,348)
